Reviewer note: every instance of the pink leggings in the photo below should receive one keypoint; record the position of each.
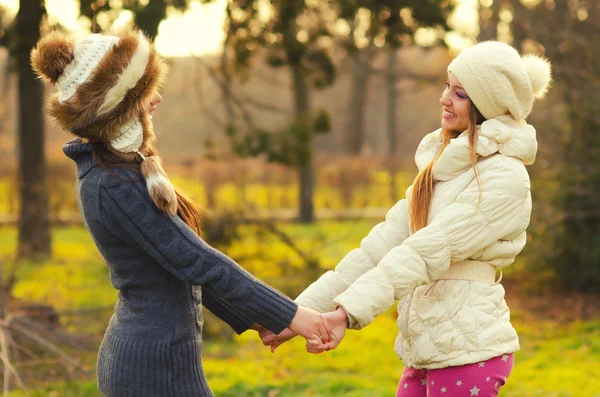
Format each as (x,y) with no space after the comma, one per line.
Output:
(482,379)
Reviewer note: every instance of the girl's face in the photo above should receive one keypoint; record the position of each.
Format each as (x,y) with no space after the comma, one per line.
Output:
(156,99)
(455,101)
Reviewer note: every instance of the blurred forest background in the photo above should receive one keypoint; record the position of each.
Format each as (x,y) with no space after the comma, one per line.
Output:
(293,124)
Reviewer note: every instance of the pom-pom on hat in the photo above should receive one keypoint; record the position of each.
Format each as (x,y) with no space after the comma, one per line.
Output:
(499,81)
(105,83)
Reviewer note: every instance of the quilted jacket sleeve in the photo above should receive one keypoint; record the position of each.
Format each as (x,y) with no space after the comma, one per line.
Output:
(380,240)
(127,209)
(466,226)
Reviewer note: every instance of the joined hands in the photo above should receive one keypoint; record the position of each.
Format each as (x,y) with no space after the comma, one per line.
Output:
(335,322)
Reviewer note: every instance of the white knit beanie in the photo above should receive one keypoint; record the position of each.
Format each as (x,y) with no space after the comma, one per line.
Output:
(499,81)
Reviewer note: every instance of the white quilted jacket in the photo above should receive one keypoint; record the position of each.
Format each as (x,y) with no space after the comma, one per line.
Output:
(452,309)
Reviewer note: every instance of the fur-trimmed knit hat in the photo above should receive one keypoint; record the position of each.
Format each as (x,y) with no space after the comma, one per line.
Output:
(499,81)
(105,84)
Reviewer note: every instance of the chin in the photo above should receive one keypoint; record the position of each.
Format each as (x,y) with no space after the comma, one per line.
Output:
(448,125)
(453,126)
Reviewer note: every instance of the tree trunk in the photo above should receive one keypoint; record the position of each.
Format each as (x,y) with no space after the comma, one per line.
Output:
(148,17)
(392,97)
(226,90)
(225,69)
(518,24)
(302,128)
(227,97)
(359,63)
(489,17)
(34,226)
(305,137)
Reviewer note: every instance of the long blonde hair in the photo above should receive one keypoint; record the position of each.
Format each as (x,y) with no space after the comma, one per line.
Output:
(423,185)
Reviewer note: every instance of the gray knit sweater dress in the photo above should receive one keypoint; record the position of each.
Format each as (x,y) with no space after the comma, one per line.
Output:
(164,274)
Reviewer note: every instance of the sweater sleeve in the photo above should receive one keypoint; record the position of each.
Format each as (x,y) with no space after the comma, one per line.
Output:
(169,241)
(466,226)
(225,311)
(380,240)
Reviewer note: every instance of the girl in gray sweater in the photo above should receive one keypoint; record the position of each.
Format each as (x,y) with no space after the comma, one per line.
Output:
(147,231)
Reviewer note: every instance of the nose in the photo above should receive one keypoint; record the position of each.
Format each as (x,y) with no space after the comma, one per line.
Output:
(445,100)
(157,99)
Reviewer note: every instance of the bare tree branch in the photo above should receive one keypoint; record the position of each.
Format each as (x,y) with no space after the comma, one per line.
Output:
(214,75)
(268,79)
(5,357)
(287,240)
(21,348)
(205,108)
(262,105)
(43,342)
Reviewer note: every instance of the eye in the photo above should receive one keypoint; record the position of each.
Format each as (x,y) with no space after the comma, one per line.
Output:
(461,96)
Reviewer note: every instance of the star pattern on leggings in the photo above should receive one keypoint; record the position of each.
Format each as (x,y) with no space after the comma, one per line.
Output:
(474,391)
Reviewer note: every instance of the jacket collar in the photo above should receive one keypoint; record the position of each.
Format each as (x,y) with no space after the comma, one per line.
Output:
(81,153)
(501,135)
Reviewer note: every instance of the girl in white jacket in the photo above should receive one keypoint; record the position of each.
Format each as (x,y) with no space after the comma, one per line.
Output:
(440,251)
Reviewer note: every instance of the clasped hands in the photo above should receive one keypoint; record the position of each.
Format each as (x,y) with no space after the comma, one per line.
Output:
(323,332)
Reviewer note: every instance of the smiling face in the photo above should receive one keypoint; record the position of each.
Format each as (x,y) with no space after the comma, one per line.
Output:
(455,102)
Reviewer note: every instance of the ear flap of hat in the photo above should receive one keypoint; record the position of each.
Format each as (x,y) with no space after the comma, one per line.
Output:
(51,55)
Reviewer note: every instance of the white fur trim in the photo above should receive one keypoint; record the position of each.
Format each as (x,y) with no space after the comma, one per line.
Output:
(159,179)
(131,138)
(540,74)
(88,52)
(131,75)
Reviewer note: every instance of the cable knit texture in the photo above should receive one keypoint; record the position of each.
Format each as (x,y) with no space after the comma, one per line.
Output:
(164,273)
(444,322)
(131,138)
(88,52)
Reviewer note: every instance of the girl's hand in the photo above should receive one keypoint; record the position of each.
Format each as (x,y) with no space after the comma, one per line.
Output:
(270,339)
(311,325)
(339,322)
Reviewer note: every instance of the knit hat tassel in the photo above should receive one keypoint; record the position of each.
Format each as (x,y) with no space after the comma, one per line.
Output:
(159,186)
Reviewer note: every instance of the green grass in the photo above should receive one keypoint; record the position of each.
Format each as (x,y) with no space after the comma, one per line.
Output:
(74,278)
(555,359)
